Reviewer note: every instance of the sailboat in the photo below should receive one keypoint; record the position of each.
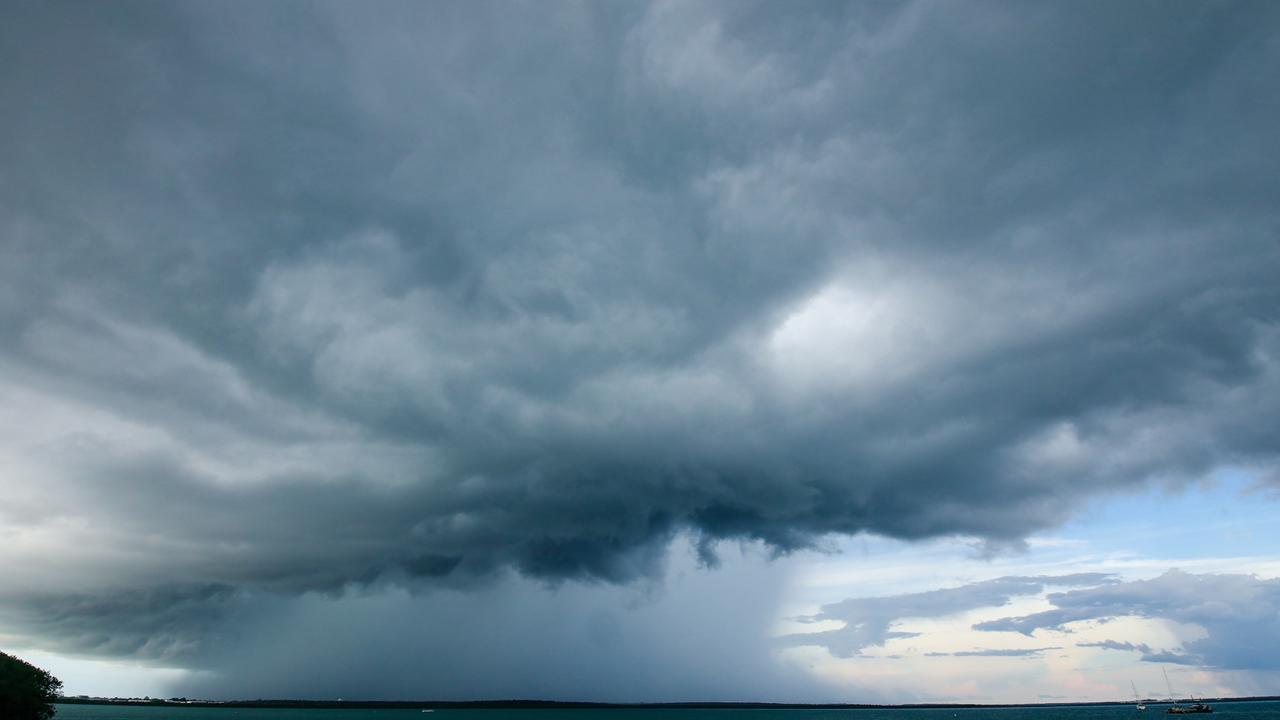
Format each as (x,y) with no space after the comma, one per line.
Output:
(1176,709)
(1136,700)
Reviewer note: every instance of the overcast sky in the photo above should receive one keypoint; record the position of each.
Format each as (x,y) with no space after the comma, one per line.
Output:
(641,351)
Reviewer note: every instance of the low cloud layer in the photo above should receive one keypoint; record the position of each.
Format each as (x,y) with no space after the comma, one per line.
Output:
(298,298)
(678,639)
(867,621)
(1240,615)
(998,652)
(1148,655)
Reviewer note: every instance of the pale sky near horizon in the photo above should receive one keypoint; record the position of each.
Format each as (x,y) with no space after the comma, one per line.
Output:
(805,351)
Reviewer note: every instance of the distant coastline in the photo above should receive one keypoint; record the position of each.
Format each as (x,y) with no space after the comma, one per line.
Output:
(573,705)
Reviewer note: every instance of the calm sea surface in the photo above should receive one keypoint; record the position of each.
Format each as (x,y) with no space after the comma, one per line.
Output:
(1227,711)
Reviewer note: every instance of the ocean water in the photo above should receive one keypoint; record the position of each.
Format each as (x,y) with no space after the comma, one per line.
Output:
(1229,711)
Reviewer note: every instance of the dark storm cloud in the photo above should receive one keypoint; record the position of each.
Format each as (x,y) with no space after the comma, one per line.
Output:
(867,620)
(1239,613)
(635,642)
(296,297)
(155,623)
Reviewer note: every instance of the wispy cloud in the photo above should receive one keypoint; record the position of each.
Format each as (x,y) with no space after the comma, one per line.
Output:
(1238,613)
(867,621)
(1148,655)
(996,652)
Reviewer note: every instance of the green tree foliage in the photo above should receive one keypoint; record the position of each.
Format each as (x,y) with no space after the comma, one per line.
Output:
(26,691)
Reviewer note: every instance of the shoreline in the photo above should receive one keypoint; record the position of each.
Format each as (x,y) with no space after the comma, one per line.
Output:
(576,705)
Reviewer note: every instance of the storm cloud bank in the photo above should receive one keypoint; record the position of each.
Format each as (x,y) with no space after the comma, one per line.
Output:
(300,297)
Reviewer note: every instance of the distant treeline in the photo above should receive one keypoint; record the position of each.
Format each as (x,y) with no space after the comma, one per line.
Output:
(559,705)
